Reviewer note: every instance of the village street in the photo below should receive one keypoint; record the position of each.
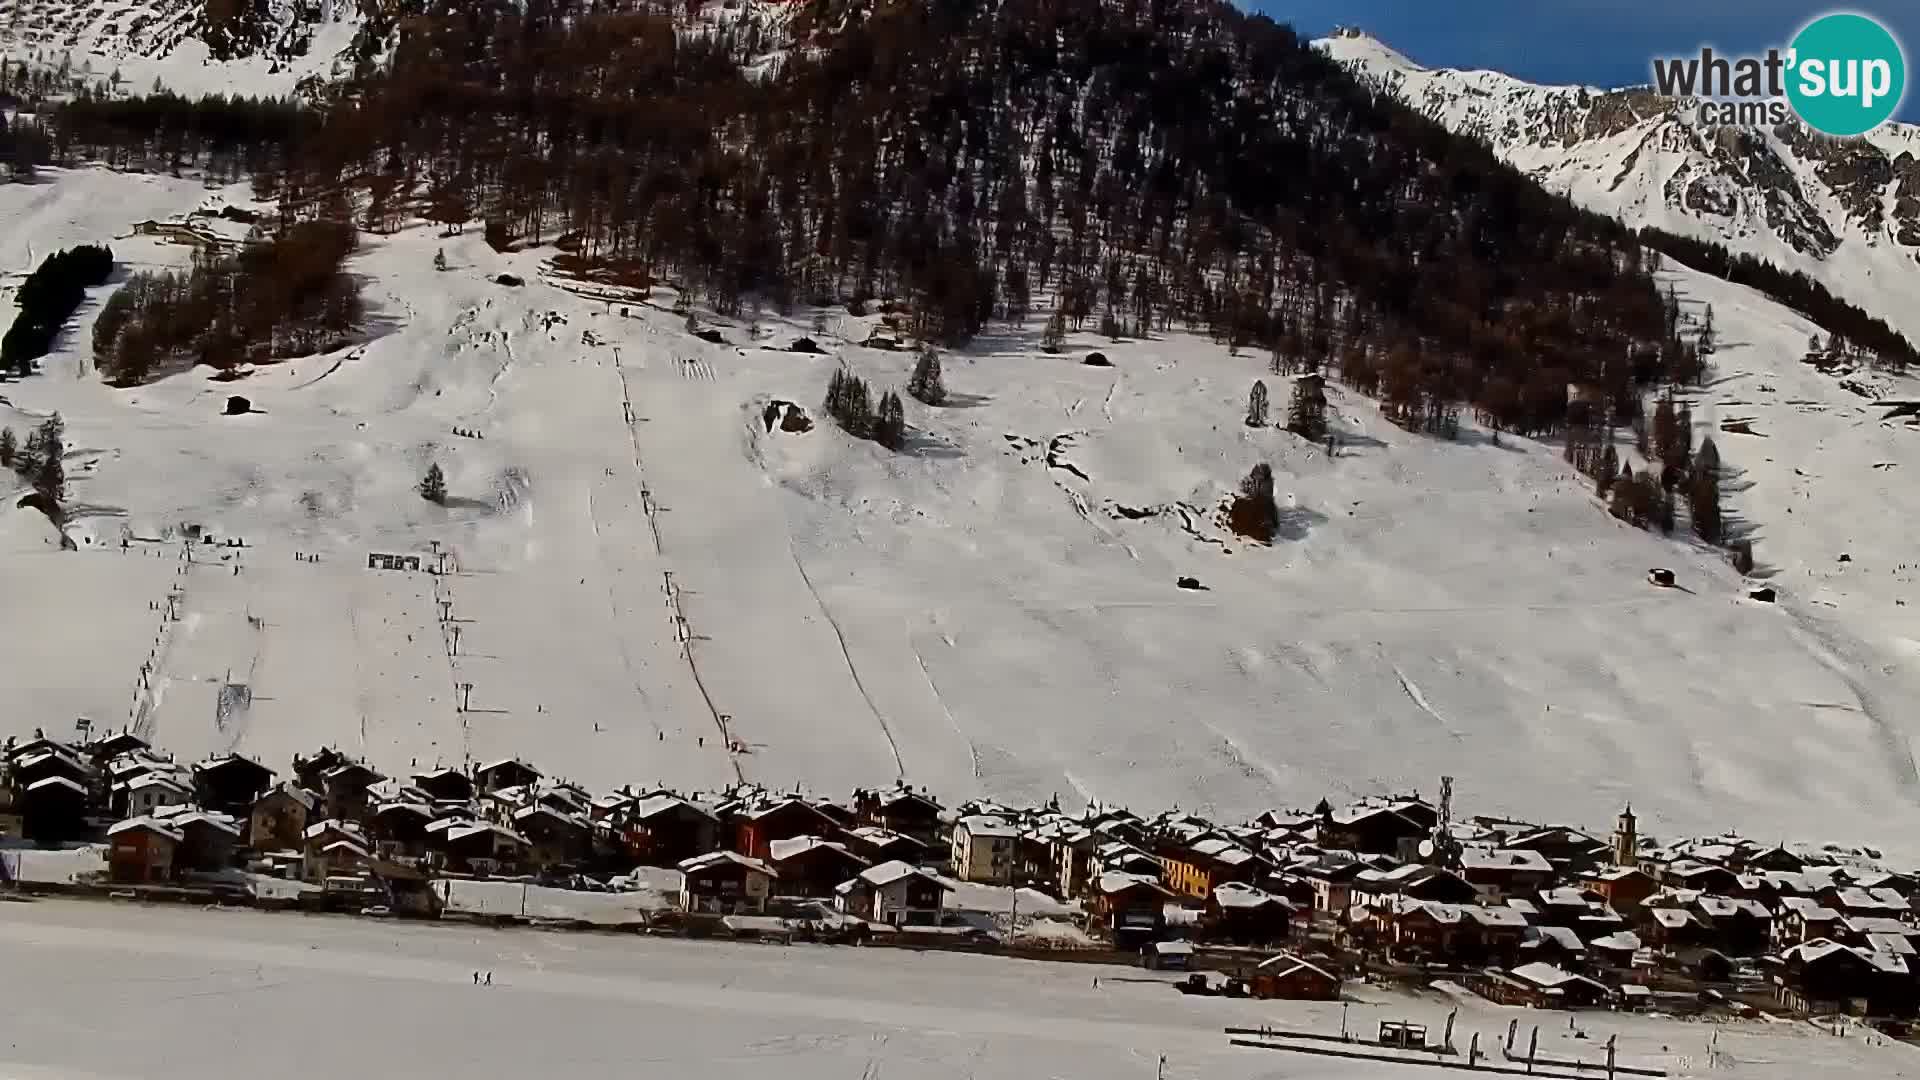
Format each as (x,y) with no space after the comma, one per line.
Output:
(99,991)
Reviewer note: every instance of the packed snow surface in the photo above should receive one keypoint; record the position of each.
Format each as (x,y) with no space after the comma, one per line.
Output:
(106,992)
(993,611)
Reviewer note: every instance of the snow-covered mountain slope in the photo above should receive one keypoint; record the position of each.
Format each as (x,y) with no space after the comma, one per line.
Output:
(192,47)
(993,611)
(1846,212)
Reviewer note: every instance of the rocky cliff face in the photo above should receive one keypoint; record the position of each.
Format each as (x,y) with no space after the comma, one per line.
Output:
(1845,212)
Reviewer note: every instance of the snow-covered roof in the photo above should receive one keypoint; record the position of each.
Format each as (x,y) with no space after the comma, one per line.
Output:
(715,858)
(1623,941)
(1876,924)
(320,828)
(475,828)
(1173,948)
(1895,943)
(154,780)
(1505,859)
(1807,909)
(527,813)
(1496,916)
(782,850)
(1722,907)
(217,822)
(1234,894)
(145,824)
(1858,899)
(984,825)
(1286,964)
(1557,935)
(1673,918)
(50,782)
(1549,977)
(659,804)
(345,845)
(1114,881)
(893,870)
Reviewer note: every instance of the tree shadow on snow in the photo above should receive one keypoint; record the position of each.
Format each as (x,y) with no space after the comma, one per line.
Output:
(922,445)
(1297,522)
(965,401)
(462,502)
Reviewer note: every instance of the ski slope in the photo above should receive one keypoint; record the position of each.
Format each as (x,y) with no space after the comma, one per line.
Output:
(993,611)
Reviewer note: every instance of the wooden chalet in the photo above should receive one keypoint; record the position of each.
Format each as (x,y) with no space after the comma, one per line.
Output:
(1246,915)
(811,866)
(140,851)
(1132,907)
(725,883)
(1289,978)
(278,820)
(756,828)
(54,810)
(902,810)
(1623,888)
(445,785)
(505,773)
(399,829)
(664,830)
(230,784)
(894,893)
(1498,874)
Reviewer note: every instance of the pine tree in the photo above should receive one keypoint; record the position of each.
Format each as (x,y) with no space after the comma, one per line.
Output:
(26,461)
(850,404)
(1703,494)
(1665,427)
(1054,337)
(1257,404)
(1706,338)
(49,475)
(1677,457)
(433,486)
(890,422)
(1743,556)
(1608,472)
(1307,411)
(9,448)
(1254,514)
(925,385)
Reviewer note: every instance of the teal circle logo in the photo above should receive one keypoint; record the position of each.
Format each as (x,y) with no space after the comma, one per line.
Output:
(1847,74)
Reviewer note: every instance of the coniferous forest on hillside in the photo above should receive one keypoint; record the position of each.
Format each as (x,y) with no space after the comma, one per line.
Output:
(1134,165)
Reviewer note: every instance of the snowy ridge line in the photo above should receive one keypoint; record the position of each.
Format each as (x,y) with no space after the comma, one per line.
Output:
(1844,212)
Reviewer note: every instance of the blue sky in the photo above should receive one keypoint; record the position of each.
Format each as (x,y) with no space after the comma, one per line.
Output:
(1597,42)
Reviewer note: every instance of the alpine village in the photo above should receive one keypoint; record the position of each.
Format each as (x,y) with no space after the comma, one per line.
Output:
(1391,889)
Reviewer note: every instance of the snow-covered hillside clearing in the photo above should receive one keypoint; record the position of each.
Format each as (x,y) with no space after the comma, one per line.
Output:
(1845,212)
(274,45)
(993,611)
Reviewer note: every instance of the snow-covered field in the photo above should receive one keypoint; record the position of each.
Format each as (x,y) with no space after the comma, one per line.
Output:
(964,614)
(104,992)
